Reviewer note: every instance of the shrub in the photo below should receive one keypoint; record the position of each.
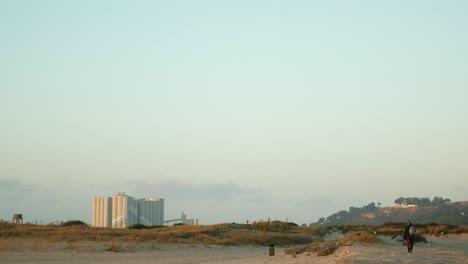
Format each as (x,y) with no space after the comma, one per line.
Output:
(324,249)
(262,225)
(359,236)
(436,229)
(114,247)
(138,226)
(390,229)
(273,226)
(74,223)
(460,229)
(296,250)
(327,248)
(418,238)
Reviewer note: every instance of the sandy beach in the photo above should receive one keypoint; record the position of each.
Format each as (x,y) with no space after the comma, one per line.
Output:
(449,249)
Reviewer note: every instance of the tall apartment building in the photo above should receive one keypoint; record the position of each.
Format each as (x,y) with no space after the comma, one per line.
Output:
(121,211)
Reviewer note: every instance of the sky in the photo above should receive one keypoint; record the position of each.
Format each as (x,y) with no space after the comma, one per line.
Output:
(231,110)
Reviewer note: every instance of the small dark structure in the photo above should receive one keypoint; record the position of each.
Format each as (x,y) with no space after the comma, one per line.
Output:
(18,218)
(271,249)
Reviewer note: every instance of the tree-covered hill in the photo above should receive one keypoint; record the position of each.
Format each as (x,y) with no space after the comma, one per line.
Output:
(417,210)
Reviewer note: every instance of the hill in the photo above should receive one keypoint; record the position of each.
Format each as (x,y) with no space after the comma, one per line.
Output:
(450,213)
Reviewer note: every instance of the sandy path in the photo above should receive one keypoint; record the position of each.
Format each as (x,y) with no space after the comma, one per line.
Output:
(164,255)
(439,250)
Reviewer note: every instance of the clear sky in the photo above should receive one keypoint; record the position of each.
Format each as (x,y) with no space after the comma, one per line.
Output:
(231,110)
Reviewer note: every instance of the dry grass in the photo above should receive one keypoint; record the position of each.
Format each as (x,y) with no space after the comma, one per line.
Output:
(71,245)
(261,233)
(273,226)
(438,230)
(363,237)
(133,243)
(460,229)
(435,230)
(114,247)
(263,226)
(319,249)
(329,246)
(8,244)
(221,234)
(393,229)
(389,229)
(36,243)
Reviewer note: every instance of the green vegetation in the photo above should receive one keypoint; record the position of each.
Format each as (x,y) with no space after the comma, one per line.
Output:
(421,201)
(345,217)
(138,226)
(422,210)
(74,223)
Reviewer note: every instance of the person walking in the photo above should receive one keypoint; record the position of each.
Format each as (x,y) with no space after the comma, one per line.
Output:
(409,236)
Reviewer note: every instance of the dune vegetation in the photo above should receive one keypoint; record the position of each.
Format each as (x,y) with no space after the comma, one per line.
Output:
(259,233)
(297,239)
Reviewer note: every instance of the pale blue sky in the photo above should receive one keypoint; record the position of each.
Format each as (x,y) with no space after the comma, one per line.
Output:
(231,110)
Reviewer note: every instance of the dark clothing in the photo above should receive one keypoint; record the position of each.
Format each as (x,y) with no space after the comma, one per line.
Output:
(408,238)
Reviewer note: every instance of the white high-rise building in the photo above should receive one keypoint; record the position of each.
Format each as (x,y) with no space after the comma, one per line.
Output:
(102,211)
(124,211)
(151,211)
(121,211)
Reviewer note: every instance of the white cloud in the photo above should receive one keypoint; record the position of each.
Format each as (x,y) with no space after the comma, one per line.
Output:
(182,189)
(46,203)
(211,202)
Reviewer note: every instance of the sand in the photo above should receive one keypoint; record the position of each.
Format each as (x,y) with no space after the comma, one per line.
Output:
(450,249)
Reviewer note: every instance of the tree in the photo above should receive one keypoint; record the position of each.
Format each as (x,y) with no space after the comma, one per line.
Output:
(399,200)
(424,201)
(412,200)
(439,201)
(321,220)
(421,201)
(369,208)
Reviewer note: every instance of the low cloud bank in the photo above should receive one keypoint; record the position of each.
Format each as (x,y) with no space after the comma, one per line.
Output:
(210,202)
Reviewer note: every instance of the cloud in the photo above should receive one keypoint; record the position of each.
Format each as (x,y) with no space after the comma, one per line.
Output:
(19,197)
(182,189)
(218,202)
(212,202)
(12,189)
(35,202)
(318,201)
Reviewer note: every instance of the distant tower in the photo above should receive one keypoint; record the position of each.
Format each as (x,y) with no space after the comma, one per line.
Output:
(17,218)
(122,211)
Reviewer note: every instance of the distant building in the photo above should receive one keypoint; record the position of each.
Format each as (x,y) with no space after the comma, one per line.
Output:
(183,220)
(403,206)
(121,211)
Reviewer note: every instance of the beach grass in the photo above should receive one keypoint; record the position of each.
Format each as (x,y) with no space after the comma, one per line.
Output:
(258,233)
(220,234)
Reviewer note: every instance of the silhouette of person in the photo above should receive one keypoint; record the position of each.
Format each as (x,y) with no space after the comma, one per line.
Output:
(409,236)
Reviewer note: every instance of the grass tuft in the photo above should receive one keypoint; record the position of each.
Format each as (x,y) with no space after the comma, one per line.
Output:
(260,233)
(329,246)
(114,247)
(74,223)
